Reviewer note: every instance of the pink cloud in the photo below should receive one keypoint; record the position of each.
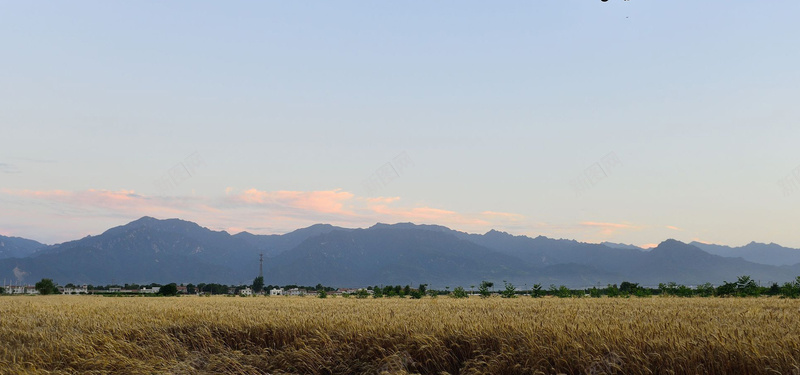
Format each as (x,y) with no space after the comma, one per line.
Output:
(427,215)
(605,225)
(607,229)
(256,211)
(673,227)
(330,201)
(97,202)
(383,199)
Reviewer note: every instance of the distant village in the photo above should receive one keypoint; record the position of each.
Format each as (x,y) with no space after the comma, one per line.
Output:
(245,291)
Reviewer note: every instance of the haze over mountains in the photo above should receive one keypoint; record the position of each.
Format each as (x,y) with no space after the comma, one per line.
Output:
(151,250)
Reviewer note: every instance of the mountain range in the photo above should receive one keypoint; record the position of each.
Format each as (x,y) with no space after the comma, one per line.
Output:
(151,250)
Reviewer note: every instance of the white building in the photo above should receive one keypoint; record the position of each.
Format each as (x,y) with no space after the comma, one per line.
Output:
(152,290)
(276,292)
(83,289)
(246,292)
(21,289)
(295,292)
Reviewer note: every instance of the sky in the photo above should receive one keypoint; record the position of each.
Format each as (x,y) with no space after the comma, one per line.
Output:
(624,121)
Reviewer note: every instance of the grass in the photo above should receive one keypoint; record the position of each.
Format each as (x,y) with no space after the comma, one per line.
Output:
(282,335)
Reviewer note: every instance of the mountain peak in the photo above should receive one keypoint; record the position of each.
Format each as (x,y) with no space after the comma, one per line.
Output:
(433,227)
(493,232)
(144,219)
(671,242)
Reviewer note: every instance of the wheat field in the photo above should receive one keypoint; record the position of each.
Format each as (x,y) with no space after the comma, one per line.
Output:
(305,335)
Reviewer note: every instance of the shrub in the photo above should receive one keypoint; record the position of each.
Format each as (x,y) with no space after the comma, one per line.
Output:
(510,291)
(459,292)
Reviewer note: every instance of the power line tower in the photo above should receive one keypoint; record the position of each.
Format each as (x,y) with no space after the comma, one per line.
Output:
(261,265)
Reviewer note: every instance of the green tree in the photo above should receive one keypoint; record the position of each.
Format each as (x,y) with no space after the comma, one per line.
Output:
(612,291)
(362,293)
(321,293)
(536,291)
(190,289)
(416,294)
(791,289)
(423,288)
(377,292)
(745,286)
(668,289)
(459,292)
(726,289)
(168,290)
(627,287)
(483,288)
(773,290)
(510,291)
(560,292)
(2,290)
(642,292)
(684,291)
(432,293)
(258,285)
(407,290)
(705,290)
(46,286)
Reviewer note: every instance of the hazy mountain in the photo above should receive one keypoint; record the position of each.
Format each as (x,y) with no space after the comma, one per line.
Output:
(16,247)
(274,244)
(543,251)
(150,250)
(621,246)
(146,250)
(687,264)
(772,254)
(392,255)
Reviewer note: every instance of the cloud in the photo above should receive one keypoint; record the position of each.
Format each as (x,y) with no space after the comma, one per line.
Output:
(424,215)
(234,210)
(605,225)
(607,229)
(97,202)
(382,199)
(69,213)
(9,168)
(673,227)
(329,202)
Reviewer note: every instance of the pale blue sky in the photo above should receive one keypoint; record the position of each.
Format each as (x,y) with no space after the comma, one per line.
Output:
(288,107)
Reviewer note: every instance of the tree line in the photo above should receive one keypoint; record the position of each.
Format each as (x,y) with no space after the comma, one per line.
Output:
(744,286)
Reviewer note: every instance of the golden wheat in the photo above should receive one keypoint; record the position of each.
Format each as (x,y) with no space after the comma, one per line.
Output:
(284,335)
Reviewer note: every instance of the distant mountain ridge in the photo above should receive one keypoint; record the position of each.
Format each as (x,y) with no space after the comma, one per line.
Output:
(16,247)
(771,254)
(173,250)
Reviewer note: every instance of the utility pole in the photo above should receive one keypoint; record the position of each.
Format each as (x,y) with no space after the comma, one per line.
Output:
(261,266)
